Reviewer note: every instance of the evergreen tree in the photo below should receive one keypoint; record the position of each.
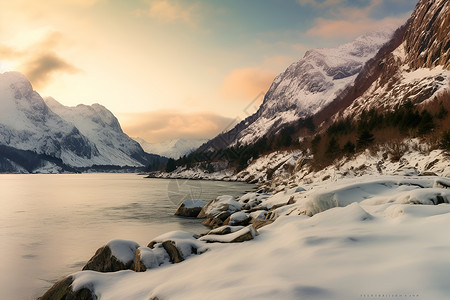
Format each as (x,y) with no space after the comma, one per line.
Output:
(171,165)
(445,141)
(349,147)
(365,139)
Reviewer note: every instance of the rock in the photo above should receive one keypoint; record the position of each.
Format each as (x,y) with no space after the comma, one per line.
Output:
(62,290)
(245,234)
(190,208)
(115,256)
(172,250)
(291,200)
(238,218)
(216,221)
(147,258)
(186,243)
(299,189)
(257,224)
(428,173)
(258,215)
(220,204)
(225,230)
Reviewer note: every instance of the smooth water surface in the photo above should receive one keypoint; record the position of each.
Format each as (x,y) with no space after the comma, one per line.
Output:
(50,225)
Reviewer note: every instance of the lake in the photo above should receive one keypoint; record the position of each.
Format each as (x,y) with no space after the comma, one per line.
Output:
(50,225)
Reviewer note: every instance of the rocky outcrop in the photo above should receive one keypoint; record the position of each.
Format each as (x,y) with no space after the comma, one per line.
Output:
(218,210)
(242,235)
(62,290)
(117,255)
(175,255)
(190,208)
(427,37)
(238,218)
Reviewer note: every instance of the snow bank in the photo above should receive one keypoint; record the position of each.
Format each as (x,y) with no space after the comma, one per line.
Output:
(347,252)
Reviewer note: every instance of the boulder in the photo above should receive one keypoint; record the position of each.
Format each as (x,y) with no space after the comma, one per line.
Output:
(225,230)
(238,218)
(63,290)
(257,224)
(220,204)
(217,220)
(147,258)
(190,208)
(174,254)
(115,256)
(245,234)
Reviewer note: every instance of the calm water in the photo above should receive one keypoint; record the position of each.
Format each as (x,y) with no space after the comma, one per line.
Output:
(50,225)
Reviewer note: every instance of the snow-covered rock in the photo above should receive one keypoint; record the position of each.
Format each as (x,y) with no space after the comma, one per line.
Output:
(116,255)
(245,234)
(190,208)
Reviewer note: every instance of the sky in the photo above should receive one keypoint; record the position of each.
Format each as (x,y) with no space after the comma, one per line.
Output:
(180,68)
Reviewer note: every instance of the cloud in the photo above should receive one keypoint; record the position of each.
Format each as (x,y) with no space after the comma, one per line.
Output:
(246,83)
(171,12)
(39,70)
(39,61)
(320,4)
(157,126)
(348,22)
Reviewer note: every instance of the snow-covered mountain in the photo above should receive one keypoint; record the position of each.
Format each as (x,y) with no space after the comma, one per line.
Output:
(173,148)
(77,137)
(305,88)
(414,66)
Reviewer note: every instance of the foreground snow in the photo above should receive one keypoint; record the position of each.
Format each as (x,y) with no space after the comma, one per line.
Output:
(379,243)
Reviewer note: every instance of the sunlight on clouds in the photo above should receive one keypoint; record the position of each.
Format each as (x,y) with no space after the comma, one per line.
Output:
(349,22)
(156,126)
(38,60)
(320,4)
(246,83)
(170,12)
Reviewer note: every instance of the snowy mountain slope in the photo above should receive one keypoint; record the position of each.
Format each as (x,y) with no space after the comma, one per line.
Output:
(102,128)
(26,123)
(416,70)
(58,136)
(173,148)
(305,88)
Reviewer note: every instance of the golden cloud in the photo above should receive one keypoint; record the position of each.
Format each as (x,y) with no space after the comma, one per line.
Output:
(157,126)
(39,61)
(170,12)
(246,83)
(349,22)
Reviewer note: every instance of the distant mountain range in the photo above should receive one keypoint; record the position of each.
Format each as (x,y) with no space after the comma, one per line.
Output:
(38,135)
(174,148)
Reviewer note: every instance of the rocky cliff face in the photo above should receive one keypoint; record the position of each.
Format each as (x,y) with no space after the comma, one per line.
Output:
(414,66)
(427,39)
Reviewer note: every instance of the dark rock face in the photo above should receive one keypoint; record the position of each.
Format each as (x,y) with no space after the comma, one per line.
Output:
(174,254)
(62,290)
(104,261)
(427,37)
(190,209)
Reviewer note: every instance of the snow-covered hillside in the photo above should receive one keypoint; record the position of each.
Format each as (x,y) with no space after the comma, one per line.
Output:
(102,128)
(78,137)
(173,148)
(305,88)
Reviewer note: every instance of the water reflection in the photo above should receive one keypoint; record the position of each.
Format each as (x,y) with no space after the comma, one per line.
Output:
(50,225)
